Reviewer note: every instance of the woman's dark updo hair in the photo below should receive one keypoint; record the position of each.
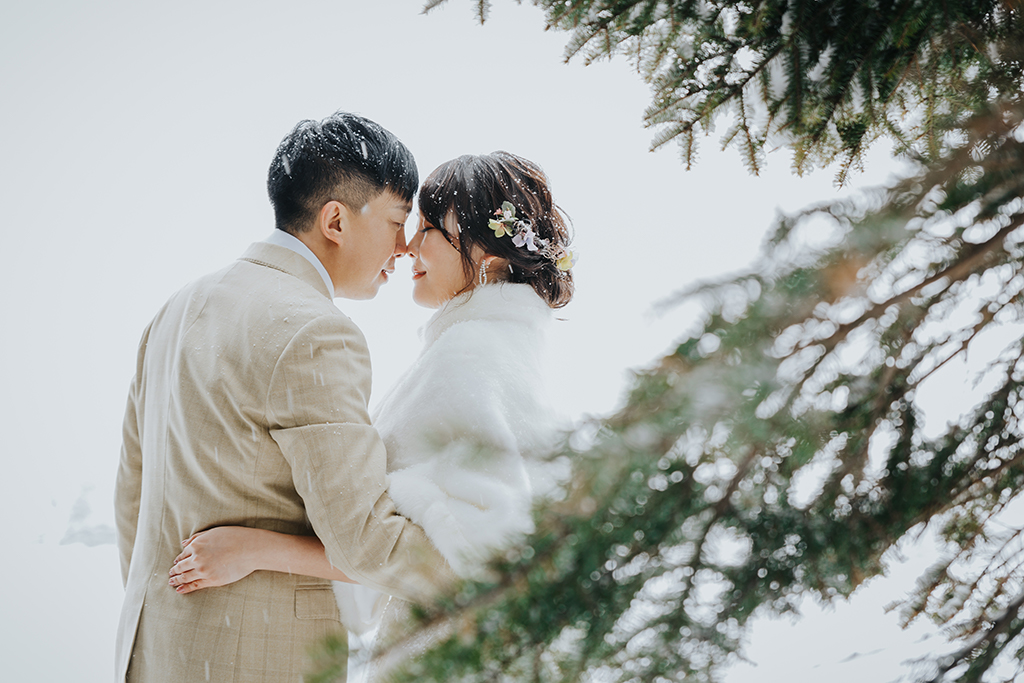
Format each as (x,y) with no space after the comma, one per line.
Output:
(471,187)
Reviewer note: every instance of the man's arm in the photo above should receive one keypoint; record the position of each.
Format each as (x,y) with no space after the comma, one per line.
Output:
(317,408)
(128,486)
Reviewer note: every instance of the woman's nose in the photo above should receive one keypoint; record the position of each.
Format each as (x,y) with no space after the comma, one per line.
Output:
(413,248)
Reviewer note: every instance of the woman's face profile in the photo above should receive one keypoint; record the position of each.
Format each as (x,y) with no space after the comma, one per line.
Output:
(437,270)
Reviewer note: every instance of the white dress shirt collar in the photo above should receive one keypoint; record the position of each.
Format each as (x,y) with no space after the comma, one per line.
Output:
(289,241)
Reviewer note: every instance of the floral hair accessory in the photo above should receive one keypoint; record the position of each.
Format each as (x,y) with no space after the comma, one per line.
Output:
(525,237)
(522,234)
(506,223)
(565,259)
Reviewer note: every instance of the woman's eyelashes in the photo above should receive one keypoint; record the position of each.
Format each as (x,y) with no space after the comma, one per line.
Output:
(448,238)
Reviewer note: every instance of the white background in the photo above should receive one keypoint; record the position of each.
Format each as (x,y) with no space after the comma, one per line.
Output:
(134,143)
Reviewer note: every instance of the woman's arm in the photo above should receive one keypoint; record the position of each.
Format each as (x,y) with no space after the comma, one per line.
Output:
(223,555)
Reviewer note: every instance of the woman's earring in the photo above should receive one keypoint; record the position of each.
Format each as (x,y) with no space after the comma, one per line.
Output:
(483,271)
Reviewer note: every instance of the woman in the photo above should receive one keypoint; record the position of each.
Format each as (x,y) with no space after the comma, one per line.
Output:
(466,424)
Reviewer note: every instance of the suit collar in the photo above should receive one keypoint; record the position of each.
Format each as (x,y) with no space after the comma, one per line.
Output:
(289,241)
(287,261)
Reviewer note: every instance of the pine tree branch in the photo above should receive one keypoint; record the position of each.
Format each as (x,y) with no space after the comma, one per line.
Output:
(984,642)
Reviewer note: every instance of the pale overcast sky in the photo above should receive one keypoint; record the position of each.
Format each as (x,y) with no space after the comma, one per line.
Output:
(135,140)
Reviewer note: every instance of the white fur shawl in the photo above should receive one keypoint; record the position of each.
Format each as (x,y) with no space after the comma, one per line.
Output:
(462,424)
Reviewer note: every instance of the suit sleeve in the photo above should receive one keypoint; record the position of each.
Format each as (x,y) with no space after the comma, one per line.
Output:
(317,407)
(128,485)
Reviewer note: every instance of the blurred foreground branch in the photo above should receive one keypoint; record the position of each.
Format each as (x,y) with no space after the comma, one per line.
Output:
(781,451)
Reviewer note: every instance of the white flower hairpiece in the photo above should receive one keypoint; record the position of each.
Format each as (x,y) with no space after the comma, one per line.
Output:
(522,234)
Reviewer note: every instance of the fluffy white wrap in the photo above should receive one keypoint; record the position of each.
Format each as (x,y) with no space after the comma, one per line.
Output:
(462,427)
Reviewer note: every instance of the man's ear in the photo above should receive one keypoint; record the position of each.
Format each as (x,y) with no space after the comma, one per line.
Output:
(333,221)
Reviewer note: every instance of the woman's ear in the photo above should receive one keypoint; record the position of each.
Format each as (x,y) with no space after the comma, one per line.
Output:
(333,221)
(496,267)
(499,266)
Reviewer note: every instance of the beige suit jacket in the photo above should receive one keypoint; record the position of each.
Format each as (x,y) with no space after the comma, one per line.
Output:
(249,407)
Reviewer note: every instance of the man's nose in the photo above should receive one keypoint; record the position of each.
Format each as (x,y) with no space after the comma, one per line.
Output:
(401,248)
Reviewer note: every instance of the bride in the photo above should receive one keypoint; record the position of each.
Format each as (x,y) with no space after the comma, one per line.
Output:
(466,425)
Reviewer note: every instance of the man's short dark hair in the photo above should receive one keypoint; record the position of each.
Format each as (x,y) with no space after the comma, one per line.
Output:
(346,158)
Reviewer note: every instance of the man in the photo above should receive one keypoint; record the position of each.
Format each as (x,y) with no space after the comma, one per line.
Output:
(249,408)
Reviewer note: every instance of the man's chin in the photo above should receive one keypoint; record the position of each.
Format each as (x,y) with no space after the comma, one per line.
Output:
(361,294)
(368,290)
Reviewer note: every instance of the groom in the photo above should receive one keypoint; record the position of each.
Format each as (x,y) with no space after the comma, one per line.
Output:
(248,407)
